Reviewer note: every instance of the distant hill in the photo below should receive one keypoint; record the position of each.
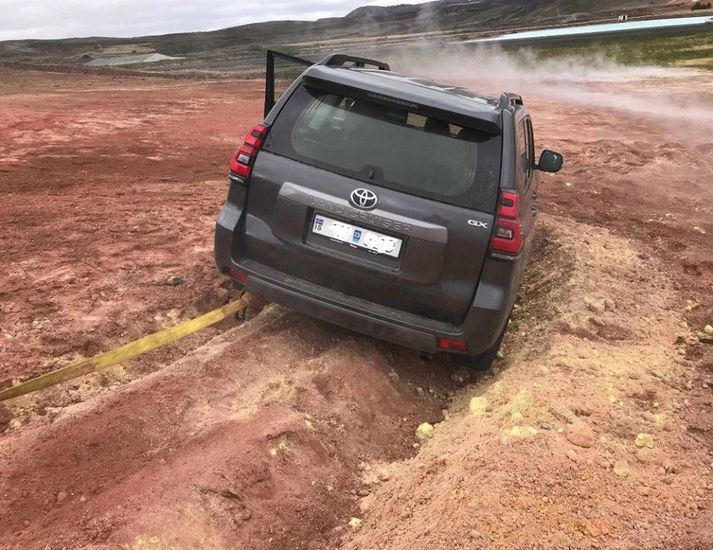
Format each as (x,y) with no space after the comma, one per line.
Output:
(439,20)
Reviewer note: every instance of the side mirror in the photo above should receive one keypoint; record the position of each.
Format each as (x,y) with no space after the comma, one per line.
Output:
(550,161)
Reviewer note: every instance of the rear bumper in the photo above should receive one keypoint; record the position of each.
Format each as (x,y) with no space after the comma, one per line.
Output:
(344,317)
(346,311)
(480,329)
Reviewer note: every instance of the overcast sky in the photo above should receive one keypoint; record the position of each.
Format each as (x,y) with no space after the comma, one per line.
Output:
(77,18)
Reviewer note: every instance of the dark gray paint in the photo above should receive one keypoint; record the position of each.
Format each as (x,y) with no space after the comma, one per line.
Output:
(445,284)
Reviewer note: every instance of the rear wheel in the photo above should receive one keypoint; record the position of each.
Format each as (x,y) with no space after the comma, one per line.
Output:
(482,361)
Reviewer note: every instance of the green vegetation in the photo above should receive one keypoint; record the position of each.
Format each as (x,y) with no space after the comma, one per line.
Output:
(694,51)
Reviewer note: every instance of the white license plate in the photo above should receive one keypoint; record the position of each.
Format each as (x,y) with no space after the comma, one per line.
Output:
(357,237)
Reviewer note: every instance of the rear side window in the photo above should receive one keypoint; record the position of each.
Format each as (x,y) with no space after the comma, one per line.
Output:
(391,147)
(530,148)
(526,152)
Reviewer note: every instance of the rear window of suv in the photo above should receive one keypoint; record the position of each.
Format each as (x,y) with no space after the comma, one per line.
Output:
(391,147)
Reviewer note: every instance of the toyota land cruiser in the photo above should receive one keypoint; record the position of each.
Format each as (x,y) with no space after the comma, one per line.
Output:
(393,206)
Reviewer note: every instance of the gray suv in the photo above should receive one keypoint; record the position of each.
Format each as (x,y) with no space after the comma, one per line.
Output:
(393,206)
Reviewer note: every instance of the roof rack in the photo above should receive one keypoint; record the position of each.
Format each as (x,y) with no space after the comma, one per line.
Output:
(339,60)
(508,100)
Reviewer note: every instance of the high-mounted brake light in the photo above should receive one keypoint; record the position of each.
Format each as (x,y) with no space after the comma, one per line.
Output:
(242,161)
(507,235)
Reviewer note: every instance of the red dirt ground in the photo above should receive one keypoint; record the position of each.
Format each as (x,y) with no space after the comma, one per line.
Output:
(105,197)
(273,432)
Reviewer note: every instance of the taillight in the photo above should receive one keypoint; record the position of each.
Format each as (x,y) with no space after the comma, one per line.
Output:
(242,162)
(507,235)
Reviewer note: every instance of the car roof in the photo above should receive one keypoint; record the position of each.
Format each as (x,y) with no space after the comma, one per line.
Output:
(388,84)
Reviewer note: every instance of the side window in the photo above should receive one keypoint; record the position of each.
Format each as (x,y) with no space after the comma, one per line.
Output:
(531,144)
(522,156)
(526,150)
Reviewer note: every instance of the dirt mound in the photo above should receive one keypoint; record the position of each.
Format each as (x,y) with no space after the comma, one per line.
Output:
(253,439)
(549,448)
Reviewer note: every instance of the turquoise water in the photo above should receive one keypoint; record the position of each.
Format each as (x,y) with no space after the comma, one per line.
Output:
(600,28)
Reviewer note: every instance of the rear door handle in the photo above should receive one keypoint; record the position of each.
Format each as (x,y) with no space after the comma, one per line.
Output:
(534,194)
(534,212)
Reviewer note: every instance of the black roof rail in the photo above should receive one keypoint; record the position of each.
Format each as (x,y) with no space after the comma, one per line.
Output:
(508,100)
(340,59)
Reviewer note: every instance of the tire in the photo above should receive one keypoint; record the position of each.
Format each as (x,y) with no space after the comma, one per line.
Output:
(483,361)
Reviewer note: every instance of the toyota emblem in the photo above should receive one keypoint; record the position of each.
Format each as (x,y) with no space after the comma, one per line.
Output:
(363,198)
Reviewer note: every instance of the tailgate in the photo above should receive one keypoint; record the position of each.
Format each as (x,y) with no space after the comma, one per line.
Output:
(439,256)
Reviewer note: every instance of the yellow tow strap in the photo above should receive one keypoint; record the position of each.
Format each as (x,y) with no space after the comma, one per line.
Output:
(125,352)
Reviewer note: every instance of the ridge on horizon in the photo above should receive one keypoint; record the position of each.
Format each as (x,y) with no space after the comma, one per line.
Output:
(433,15)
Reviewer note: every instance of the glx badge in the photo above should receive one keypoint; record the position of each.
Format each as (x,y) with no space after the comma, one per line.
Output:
(476,223)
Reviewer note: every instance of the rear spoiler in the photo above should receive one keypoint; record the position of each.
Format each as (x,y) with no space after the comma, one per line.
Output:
(509,100)
(487,124)
(339,60)
(333,60)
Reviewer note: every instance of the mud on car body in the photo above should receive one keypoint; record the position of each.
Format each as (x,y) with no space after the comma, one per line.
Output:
(393,206)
